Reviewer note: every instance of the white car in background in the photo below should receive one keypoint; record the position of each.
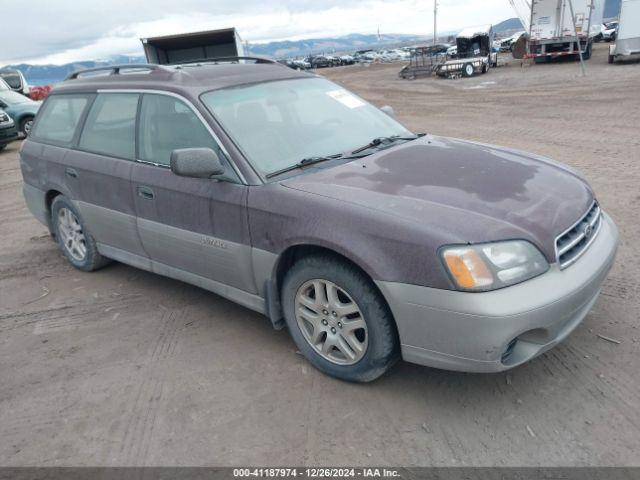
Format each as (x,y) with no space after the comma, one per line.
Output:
(609,31)
(16,81)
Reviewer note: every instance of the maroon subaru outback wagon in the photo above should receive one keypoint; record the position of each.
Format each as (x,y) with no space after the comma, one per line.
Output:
(293,197)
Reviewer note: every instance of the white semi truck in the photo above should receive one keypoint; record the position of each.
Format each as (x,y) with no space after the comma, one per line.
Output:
(554,25)
(627,44)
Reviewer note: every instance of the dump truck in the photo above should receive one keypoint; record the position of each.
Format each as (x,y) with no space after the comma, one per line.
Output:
(193,47)
(555,24)
(627,44)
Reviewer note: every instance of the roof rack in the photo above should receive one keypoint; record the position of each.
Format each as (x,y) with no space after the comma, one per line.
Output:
(115,69)
(230,59)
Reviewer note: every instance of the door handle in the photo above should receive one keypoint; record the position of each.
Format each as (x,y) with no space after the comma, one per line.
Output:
(71,172)
(145,192)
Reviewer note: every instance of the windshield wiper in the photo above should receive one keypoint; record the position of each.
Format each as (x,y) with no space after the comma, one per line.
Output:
(305,162)
(387,141)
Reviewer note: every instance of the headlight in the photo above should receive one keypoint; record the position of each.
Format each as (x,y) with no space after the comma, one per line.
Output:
(491,266)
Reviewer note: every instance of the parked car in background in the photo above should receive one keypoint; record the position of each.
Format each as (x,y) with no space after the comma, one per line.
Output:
(609,31)
(335,61)
(298,199)
(15,79)
(8,131)
(301,64)
(20,108)
(347,60)
(506,44)
(366,56)
(320,61)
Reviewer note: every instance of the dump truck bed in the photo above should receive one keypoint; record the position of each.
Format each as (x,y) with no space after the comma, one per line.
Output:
(190,47)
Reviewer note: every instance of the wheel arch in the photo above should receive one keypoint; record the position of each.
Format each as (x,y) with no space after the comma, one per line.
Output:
(25,117)
(292,254)
(49,196)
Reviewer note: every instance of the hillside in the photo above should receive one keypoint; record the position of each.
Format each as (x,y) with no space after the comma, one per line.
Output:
(513,24)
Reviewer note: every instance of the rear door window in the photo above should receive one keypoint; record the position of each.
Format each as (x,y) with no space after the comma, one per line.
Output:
(111,125)
(167,124)
(59,118)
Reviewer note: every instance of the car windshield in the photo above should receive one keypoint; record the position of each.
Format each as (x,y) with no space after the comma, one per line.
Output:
(12,79)
(278,124)
(12,98)
(3,85)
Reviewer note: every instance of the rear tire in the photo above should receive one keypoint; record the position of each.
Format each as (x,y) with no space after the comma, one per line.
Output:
(323,337)
(72,236)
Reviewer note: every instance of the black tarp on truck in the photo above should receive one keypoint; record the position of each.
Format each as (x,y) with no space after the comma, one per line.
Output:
(191,47)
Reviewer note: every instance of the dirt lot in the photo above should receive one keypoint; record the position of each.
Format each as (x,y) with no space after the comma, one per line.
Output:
(123,367)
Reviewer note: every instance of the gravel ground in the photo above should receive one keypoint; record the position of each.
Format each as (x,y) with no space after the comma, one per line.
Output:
(123,367)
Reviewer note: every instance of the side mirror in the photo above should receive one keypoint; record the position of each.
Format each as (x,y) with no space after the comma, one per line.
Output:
(196,163)
(389,111)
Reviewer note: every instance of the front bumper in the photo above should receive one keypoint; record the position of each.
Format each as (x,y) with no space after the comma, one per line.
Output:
(8,134)
(498,330)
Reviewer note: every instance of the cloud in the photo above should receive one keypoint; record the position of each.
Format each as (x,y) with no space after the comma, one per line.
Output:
(60,31)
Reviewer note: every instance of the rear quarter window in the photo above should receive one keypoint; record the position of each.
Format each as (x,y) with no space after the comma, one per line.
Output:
(59,118)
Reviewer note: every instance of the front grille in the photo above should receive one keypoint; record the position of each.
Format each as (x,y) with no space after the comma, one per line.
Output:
(575,241)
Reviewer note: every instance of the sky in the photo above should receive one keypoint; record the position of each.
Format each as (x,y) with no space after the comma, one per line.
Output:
(63,31)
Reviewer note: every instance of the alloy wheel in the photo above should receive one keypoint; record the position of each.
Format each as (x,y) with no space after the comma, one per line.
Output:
(331,322)
(71,234)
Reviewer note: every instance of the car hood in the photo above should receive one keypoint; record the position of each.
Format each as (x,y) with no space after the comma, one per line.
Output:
(29,107)
(468,192)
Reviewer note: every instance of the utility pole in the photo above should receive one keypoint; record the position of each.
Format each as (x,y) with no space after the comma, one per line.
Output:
(575,31)
(435,21)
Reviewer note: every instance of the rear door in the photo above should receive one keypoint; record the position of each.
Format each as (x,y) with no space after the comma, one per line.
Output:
(44,155)
(101,165)
(192,228)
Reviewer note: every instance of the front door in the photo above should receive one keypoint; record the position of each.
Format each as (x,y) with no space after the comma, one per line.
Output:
(191,228)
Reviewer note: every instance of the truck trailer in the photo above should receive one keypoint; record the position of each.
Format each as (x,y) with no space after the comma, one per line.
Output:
(553,28)
(193,47)
(475,53)
(627,44)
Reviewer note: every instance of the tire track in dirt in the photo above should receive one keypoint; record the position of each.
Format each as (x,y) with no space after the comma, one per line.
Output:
(146,400)
(68,316)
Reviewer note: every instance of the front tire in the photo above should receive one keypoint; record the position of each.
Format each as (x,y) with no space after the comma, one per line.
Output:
(74,239)
(338,319)
(25,125)
(467,70)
